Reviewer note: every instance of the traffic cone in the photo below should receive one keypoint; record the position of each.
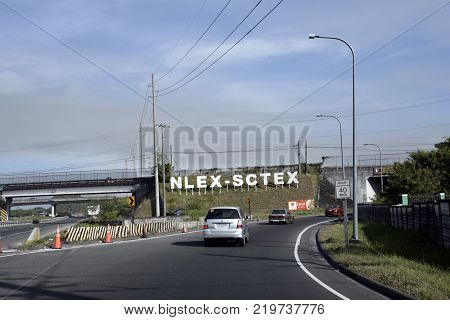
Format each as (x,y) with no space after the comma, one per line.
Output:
(184,229)
(57,242)
(108,235)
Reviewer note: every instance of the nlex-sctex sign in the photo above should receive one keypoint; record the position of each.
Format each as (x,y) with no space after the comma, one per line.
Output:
(237,180)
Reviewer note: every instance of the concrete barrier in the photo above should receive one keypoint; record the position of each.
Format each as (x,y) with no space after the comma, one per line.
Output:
(34,235)
(75,234)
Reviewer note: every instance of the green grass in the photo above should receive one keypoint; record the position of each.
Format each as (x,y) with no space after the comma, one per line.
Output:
(405,260)
(28,218)
(42,243)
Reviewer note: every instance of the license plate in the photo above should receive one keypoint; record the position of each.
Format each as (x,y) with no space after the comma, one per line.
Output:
(222,226)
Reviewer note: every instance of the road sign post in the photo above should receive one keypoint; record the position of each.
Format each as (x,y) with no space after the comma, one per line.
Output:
(249,201)
(343,192)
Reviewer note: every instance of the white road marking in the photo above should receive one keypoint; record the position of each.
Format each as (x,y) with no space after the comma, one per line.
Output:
(297,243)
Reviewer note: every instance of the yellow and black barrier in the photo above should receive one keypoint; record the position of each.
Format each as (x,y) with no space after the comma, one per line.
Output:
(75,234)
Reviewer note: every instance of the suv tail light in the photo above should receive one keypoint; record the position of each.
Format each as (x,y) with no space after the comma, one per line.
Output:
(205,225)
(239,225)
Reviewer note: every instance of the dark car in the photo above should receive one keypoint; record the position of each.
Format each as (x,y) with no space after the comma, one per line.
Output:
(334,210)
(35,221)
(281,215)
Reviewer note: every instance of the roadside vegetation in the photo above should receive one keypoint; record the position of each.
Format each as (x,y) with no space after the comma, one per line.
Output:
(423,173)
(405,260)
(42,243)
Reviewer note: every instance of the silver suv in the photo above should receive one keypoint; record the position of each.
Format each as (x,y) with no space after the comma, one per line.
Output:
(225,223)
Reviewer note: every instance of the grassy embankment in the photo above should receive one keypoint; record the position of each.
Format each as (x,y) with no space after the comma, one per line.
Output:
(28,218)
(405,260)
(262,201)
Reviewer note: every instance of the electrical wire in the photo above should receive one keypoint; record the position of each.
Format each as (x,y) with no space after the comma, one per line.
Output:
(182,35)
(196,42)
(215,50)
(223,54)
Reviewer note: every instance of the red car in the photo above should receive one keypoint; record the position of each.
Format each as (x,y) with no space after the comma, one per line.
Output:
(334,210)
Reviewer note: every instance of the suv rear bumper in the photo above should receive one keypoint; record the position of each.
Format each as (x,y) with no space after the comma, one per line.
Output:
(216,234)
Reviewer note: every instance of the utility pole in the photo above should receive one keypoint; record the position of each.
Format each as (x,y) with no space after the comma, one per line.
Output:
(171,157)
(306,156)
(155,155)
(141,155)
(299,154)
(163,127)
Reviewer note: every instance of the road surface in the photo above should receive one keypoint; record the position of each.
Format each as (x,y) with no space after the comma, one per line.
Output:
(180,267)
(15,235)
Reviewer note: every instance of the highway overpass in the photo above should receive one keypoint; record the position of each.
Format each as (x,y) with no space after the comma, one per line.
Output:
(71,187)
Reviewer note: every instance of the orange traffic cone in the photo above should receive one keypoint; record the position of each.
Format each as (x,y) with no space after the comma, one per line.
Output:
(57,242)
(108,235)
(184,229)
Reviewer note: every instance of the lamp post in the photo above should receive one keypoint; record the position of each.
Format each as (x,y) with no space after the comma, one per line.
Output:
(381,164)
(355,172)
(343,173)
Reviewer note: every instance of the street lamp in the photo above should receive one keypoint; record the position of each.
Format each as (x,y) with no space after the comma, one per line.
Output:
(355,174)
(343,172)
(381,165)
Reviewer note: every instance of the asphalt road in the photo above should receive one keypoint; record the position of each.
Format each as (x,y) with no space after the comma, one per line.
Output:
(180,267)
(15,235)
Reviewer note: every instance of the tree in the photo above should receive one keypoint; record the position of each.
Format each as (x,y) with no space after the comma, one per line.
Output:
(423,173)
(111,209)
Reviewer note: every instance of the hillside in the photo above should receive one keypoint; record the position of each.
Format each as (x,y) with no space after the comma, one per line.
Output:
(262,201)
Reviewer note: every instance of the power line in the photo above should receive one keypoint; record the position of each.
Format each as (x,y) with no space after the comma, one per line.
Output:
(223,54)
(313,115)
(182,35)
(196,42)
(214,51)
(80,54)
(149,157)
(384,131)
(66,142)
(418,22)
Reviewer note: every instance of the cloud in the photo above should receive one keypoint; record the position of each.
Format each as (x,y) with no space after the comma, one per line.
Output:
(12,83)
(252,49)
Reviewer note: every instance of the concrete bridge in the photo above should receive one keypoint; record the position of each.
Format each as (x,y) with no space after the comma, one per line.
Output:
(70,187)
(368,184)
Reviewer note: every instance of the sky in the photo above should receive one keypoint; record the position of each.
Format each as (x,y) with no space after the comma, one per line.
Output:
(74,75)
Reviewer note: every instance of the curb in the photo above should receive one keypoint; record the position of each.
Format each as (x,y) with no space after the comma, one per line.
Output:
(374,285)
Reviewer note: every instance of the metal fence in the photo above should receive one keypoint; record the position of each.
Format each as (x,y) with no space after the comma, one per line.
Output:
(431,218)
(72,176)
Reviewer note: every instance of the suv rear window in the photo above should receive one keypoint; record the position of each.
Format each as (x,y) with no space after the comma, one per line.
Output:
(278,212)
(222,214)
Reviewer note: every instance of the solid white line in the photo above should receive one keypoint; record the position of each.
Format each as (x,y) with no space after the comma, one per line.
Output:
(297,243)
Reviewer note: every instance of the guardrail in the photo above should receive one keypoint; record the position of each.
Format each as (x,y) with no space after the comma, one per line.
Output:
(72,176)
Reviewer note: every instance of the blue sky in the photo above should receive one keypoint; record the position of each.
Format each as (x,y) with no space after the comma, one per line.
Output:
(58,110)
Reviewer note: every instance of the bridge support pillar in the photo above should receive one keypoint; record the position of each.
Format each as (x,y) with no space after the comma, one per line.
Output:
(53,210)
(8,208)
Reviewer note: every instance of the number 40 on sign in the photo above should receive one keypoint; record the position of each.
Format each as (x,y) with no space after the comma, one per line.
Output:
(343,189)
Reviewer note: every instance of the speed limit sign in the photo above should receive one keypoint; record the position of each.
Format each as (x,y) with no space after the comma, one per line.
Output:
(343,189)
